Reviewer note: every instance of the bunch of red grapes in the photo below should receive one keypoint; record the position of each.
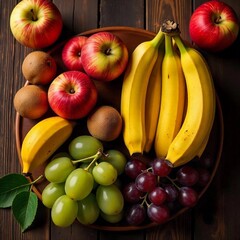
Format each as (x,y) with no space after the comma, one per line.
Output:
(156,191)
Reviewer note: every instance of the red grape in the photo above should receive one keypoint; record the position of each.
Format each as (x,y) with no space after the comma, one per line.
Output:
(158,196)
(131,194)
(204,177)
(188,197)
(158,214)
(146,181)
(172,192)
(161,167)
(136,214)
(187,176)
(206,161)
(134,167)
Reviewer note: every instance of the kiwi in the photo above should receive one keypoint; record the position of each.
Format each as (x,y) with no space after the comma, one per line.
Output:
(31,101)
(39,67)
(105,123)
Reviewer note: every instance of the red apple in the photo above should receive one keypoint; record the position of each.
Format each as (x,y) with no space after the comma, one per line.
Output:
(104,56)
(214,26)
(36,23)
(72,95)
(71,53)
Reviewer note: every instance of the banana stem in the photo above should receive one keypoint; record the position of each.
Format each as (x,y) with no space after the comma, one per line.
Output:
(168,44)
(180,44)
(158,39)
(170,27)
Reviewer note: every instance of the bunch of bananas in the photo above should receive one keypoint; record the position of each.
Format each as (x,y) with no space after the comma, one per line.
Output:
(168,98)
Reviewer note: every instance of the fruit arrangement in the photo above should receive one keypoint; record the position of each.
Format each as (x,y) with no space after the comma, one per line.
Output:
(121,131)
(147,190)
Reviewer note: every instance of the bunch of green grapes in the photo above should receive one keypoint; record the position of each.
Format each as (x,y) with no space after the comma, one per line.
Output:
(82,183)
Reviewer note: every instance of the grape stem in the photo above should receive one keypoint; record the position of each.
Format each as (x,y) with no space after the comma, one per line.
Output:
(97,155)
(172,181)
(95,158)
(145,200)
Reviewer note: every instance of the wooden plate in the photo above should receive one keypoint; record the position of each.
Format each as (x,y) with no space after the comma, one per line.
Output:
(109,93)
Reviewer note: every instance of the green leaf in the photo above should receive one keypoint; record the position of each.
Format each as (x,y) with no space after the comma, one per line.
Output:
(10,186)
(24,208)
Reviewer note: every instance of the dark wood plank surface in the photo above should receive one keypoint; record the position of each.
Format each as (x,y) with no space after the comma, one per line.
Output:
(217,214)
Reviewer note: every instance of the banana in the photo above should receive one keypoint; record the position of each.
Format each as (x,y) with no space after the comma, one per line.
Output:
(200,110)
(172,100)
(153,101)
(42,140)
(133,95)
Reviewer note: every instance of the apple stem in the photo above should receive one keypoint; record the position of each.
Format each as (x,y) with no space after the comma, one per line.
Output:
(108,51)
(34,17)
(72,91)
(217,20)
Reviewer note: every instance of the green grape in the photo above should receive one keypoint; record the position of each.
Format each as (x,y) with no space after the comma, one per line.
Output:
(84,146)
(88,210)
(110,199)
(84,166)
(79,184)
(112,218)
(58,169)
(104,173)
(116,158)
(61,154)
(51,193)
(64,211)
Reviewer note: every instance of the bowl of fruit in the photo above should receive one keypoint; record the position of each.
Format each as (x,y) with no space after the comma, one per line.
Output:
(99,146)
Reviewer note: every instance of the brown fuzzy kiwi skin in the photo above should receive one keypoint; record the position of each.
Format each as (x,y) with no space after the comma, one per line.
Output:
(39,67)
(31,101)
(105,123)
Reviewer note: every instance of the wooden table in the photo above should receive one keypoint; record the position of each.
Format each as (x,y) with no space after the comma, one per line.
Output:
(217,214)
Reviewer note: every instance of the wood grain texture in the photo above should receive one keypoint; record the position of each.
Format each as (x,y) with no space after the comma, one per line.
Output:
(178,11)
(122,13)
(216,216)
(79,16)
(218,212)
(175,229)
(11,80)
